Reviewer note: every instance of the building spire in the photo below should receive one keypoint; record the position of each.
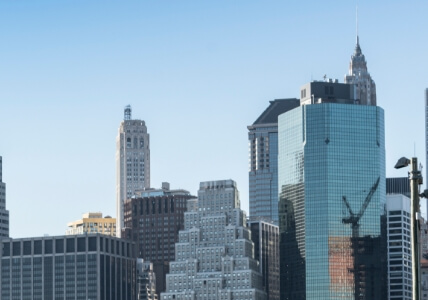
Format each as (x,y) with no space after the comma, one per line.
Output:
(356,20)
(357,47)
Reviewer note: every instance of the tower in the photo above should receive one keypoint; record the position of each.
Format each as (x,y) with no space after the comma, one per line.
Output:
(399,254)
(214,258)
(263,159)
(365,87)
(331,175)
(4,214)
(132,162)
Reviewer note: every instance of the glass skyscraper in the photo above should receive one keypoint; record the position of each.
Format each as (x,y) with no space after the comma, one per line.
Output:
(331,173)
(263,160)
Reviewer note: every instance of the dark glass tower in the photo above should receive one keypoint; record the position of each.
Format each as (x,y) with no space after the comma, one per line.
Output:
(263,169)
(331,173)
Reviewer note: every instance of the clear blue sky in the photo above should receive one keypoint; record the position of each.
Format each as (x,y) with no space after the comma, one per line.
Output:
(198,72)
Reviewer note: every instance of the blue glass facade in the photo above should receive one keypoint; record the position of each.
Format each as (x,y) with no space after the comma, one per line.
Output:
(331,165)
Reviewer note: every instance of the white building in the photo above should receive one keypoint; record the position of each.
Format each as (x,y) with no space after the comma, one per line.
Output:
(132,162)
(399,251)
(214,258)
(4,214)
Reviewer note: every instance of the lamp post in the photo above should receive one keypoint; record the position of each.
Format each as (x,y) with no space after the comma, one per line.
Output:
(415,178)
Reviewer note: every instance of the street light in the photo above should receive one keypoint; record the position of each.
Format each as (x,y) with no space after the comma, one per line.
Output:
(415,178)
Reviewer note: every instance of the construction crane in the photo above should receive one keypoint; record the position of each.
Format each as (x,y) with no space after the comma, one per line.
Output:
(353,218)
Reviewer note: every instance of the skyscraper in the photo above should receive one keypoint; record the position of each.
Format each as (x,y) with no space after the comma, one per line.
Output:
(132,162)
(214,258)
(331,174)
(4,214)
(153,219)
(399,254)
(365,87)
(263,152)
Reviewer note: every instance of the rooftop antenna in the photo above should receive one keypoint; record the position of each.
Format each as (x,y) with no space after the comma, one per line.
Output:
(127,112)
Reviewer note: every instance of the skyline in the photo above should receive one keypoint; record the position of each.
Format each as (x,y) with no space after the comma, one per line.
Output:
(197,73)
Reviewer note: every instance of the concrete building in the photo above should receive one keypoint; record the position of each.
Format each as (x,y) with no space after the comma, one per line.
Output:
(214,258)
(153,220)
(358,75)
(399,252)
(132,162)
(92,223)
(263,160)
(265,237)
(331,175)
(95,267)
(4,214)
(146,281)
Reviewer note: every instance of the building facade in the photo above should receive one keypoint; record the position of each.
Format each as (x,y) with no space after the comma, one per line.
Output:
(153,220)
(4,214)
(399,250)
(132,162)
(146,280)
(265,237)
(331,173)
(92,223)
(263,160)
(214,258)
(358,75)
(67,267)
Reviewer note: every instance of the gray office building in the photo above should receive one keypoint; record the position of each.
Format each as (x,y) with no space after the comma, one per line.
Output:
(263,160)
(95,267)
(4,214)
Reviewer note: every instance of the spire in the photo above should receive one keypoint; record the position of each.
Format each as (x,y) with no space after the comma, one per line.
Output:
(357,47)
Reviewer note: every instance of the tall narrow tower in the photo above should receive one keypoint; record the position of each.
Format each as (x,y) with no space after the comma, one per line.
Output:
(365,87)
(4,214)
(132,162)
